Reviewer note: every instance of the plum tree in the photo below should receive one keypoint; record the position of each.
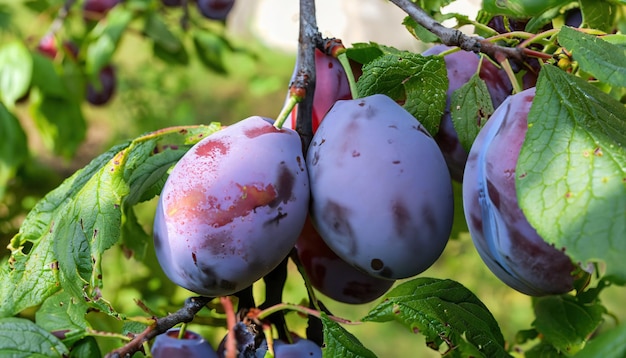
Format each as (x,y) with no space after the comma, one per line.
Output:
(333,276)
(391,231)
(505,240)
(232,208)
(191,345)
(215,9)
(461,66)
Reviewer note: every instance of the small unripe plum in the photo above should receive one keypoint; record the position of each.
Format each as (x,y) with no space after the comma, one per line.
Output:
(232,208)
(503,237)
(108,83)
(461,66)
(381,191)
(191,345)
(331,275)
(215,9)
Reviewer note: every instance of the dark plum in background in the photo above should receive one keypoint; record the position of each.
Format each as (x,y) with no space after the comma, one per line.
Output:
(97,9)
(100,94)
(192,345)
(505,240)
(172,2)
(215,9)
(331,275)
(232,208)
(461,66)
(381,191)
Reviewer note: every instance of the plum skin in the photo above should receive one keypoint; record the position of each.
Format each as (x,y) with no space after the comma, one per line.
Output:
(232,208)
(192,345)
(381,196)
(331,275)
(504,239)
(215,9)
(461,66)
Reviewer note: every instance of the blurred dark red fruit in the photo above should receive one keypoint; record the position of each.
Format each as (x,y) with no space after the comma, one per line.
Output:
(172,2)
(102,95)
(215,9)
(96,9)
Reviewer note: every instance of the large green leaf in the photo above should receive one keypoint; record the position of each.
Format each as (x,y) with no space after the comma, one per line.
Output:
(446,313)
(418,81)
(571,172)
(605,61)
(609,344)
(64,316)
(598,14)
(20,337)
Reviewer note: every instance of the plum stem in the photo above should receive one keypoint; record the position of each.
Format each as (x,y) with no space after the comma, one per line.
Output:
(182,330)
(286,110)
(57,23)
(302,309)
(231,341)
(345,63)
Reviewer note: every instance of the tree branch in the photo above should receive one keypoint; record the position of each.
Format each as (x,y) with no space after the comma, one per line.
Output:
(186,314)
(57,23)
(454,37)
(308,39)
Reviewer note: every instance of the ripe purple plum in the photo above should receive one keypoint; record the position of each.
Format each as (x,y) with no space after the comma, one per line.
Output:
(215,9)
(381,192)
(108,83)
(300,347)
(172,3)
(461,66)
(232,208)
(331,85)
(505,240)
(331,275)
(191,345)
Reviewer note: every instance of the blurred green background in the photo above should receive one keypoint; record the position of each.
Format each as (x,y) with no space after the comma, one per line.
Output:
(152,95)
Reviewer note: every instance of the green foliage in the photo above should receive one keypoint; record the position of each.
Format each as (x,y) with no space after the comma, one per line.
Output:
(16,67)
(447,313)
(470,108)
(341,343)
(20,337)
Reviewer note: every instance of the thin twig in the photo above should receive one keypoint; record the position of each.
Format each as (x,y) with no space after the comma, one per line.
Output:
(454,37)
(184,315)
(57,23)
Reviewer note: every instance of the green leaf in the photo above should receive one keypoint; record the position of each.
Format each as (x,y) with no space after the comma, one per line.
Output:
(87,347)
(71,228)
(340,343)
(364,52)
(609,344)
(418,31)
(105,38)
(46,77)
(598,14)
(64,316)
(565,322)
(134,237)
(158,31)
(521,8)
(16,68)
(13,147)
(571,172)
(210,48)
(470,108)
(60,122)
(180,57)
(20,337)
(419,81)
(605,61)
(445,312)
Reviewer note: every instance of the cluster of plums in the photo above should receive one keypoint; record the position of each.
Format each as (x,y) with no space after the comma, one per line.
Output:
(371,201)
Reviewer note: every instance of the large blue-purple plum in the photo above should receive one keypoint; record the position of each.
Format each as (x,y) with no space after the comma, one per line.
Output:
(232,208)
(461,66)
(381,191)
(334,277)
(191,345)
(505,240)
(215,9)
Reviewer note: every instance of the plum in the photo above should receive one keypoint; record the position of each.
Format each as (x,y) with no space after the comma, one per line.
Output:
(232,208)
(331,275)
(461,66)
(97,9)
(108,83)
(191,345)
(331,85)
(381,192)
(215,9)
(506,242)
